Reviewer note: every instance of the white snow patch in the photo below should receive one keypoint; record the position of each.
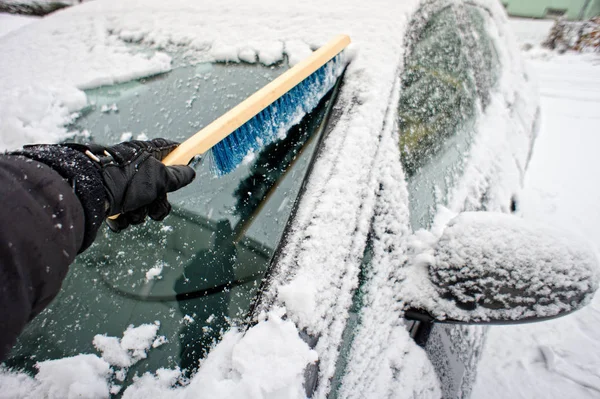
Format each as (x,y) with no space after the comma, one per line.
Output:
(166,229)
(530,32)
(297,50)
(267,361)
(299,297)
(481,253)
(132,36)
(131,348)
(187,319)
(224,52)
(142,137)
(81,376)
(10,22)
(249,158)
(270,52)
(106,108)
(159,341)
(111,350)
(139,339)
(155,272)
(34,114)
(66,52)
(126,136)
(248,55)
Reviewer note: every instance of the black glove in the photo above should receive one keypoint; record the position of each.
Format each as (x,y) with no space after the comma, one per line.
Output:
(135,180)
(127,178)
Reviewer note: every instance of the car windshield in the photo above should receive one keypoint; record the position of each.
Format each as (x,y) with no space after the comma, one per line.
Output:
(198,272)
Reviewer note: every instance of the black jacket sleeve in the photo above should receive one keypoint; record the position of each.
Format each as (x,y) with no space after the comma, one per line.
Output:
(44,224)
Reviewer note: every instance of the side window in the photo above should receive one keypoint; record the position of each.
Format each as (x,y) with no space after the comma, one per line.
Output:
(450,69)
(482,54)
(438,93)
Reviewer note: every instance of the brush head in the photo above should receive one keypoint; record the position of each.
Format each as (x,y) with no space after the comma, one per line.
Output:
(273,122)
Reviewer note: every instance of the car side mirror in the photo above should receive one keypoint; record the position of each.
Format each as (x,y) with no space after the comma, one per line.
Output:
(494,268)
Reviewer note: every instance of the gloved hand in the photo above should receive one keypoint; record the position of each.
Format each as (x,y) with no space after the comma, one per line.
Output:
(135,180)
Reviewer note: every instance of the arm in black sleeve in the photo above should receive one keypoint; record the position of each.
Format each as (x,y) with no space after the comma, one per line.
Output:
(54,199)
(44,224)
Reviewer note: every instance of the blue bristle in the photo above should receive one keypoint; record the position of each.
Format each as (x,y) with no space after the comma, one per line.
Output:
(277,118)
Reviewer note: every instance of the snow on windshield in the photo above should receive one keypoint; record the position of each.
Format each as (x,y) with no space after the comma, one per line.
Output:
(267,361)
(84,375)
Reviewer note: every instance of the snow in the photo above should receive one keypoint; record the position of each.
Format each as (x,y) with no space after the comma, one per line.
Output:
(106,108)
(558,358)
(187,319)
(270,52)
(9,22)
(321,260)
(296,51)
(139,339)
(267,361)
(126,136)
(299,297)
(39,97)
(531,32)
(481,254)
(288,356)
(383,360)
(84,376)
(155,272)
(81,376)
(478,258)
(111,350)
(130,349)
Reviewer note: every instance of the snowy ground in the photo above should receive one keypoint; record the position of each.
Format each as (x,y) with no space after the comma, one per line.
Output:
(560,358)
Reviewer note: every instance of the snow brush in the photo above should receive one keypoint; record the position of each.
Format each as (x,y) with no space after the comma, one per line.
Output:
(267,114)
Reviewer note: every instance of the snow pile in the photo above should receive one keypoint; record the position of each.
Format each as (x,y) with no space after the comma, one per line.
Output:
(81,376)
(84,376)
(131,348)
(495,267)
(9,23)
(267,361)
(41,95)
(155,272)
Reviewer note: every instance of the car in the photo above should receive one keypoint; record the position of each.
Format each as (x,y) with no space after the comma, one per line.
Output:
(298,273)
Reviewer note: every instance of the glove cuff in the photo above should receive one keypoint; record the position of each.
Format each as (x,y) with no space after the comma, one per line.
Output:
(82,175)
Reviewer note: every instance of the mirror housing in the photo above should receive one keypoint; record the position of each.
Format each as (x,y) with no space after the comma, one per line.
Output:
(494,268)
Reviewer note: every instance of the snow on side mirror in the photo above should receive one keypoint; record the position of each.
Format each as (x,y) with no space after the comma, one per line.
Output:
(494,268)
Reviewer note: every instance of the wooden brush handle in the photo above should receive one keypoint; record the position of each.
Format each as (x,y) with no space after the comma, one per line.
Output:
(206,138)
